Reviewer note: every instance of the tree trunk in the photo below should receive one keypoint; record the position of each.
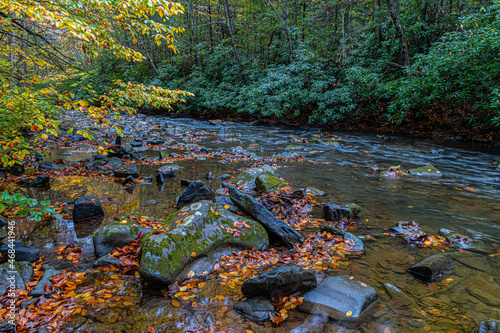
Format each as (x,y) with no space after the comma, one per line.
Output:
(231,34)
(395,11)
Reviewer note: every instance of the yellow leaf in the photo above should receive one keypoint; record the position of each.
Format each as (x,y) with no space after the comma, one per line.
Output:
(227,207)
(348,313)
(175,303)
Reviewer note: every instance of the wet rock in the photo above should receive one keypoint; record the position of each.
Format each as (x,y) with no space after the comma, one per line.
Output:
(266,181)
(48,166)
(10,276)
(284,280)
(3,221)
(136,144)
(106,260)
(117,151)
(87,207)
(227,203)
(301,193)
(224,177)
(286,155)
(94,164)
(434,267)
(40,181)
(128,180)
(340,298)
(484,289)
(199,233)
(275,227)
(118,140)
(400,295)
(5,326)
(48,273)
(247,177)
(113,163)
(21,252)
(353,243)
(15,170)
(167,168)
(77,138)
(313,324)
(185,182)
(196,191)
(257,309)
(127,170)
(335,212)
(25,269)
(487,327)
(27,302)
(408,229)
(116,234)
(427,170)
(156,142)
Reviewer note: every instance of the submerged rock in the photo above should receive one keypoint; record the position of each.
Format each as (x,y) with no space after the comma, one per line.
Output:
(87,207)
(428,170)
(335,212)
(202,229)
(353,243)
(21,252)
(434,267)
(196,191)
(284,280)
(340,298)
(275,227)
(256,309)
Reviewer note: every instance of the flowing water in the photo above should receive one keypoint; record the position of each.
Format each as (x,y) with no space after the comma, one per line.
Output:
(465,199)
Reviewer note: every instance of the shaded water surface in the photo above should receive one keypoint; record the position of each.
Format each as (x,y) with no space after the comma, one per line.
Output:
(465,199)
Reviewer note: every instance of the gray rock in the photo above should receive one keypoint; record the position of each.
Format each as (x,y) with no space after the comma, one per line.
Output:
(257,309)
(118,151)
(116,234)
(106,260)
(224,177)
(48,166)
(247,177)
(21,252)
(227,203)
(335,212)
(127,170)
(5,326)
(87,207)
(433,267)
(357,244)
(487,327)
(42,180)
(196,191)
(48,273)
(25,269)
(10,276)
(284,280)
(341,298)
(113,163)
(200,232)
(275,227)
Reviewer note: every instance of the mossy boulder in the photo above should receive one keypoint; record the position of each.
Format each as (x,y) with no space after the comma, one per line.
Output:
(203,228)
(433,267)
(247,178)
(268,182)
(116,234)
(428,170)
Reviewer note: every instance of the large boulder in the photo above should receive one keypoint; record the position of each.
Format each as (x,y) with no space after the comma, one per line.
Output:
(284,280)
(246,179)
(275,227)
(127,170)
(202,230)
(196,191)
(335,212)
(116,234)
(48,166)
(433,267)
(87,207)
(21,252)
(340,297)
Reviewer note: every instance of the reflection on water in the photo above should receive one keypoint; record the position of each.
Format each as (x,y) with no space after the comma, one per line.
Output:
(465,199)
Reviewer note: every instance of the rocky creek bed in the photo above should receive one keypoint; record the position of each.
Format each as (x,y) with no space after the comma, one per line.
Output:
(199,226)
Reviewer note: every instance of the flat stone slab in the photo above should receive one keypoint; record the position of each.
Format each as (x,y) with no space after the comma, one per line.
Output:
(256,309)
(340,298)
